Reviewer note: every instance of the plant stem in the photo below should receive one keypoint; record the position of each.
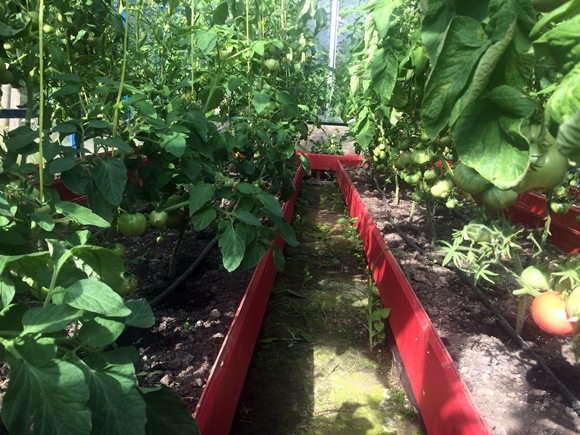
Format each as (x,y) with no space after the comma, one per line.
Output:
(175,250)
(123,69)
(413,203)
(41,108)
(521,313)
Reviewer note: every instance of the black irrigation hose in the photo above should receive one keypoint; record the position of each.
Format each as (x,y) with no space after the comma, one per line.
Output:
(566,393)
(185,274)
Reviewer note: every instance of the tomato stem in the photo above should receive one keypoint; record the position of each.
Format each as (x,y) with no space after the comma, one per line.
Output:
(522,307)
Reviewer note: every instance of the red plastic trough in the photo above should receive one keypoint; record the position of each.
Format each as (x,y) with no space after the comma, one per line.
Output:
(530,210)
(216,408)
(445,403)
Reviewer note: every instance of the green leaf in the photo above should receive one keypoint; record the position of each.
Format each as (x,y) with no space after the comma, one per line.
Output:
(63,164)
(270,203)
(146,108)
(492,144)
(47,319)
(280,261)
(66,90)
(114,142)
(47,400)
(80,214)
(196,118)
(485,69)
(384,70)
(173,143)
(562,44)
(233,84)
(7,291)
(167,413)
(20,137)
(99,124)
(11,317)
(512,101)
(463,45)
(190,168)
(110,177)
(383,14)
(24,265)
(260,101)
(96,297)
(232,244)
(116,405)
(568,139)
(248,218)
(100,332)
(100,264)
(289,104)
(199,196)
(247,188)
(565,100)
(207,41)
(203,217)
(141,314)
(43,220)
(258,47)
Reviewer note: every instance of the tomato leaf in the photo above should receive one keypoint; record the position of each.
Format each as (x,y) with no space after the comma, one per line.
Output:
(50,318)
(463,46)
(100,264)
(110,177)
(232,242)
(568,139)
(562,44)
(512,101)
(80,214)
(203,217)
(565,100)
(141,314)
(96,297)
(173,143)
(167,413)
(491,144)
(7,291)
(99,332)
(116,405)
(384,69)
(199,196)
(40,399)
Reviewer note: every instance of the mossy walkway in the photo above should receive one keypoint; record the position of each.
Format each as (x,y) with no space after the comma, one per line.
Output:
(313,371)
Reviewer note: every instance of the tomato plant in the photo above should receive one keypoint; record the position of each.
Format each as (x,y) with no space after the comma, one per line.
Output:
(549,313)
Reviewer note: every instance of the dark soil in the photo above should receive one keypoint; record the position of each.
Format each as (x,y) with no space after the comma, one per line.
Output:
(511,390)
(192,321)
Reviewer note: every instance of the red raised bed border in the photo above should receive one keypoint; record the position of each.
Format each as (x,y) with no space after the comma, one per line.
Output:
(446,405)
(530,210)
(217,406)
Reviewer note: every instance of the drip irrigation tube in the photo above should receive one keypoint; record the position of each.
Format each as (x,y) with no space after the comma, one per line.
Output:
(564,391)
(185,274)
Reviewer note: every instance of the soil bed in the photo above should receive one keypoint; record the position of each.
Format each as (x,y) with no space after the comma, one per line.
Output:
(191,323)
(513,393)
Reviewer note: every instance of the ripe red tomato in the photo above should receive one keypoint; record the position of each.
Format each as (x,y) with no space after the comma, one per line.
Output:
(549,313)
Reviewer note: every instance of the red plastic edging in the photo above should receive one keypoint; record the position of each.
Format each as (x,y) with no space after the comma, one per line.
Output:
(446,405)
(217,406)
(530,210)
(327,162)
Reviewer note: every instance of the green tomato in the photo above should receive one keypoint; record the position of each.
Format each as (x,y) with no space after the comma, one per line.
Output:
(497,199)
(559,207)
(119,249)
(425,137)
(451,203)
(161,239)
(560,191)
(412,178)
(132,225)
(416,196)
(430,174)
(548,172)
(477,232)
(274,50)
(420,157)
(382,155)
(405,144)
(442,188)
(128,286)
(535,278)
(273,65)
(406,159)
(158,219)
(469,180)
(44,208)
